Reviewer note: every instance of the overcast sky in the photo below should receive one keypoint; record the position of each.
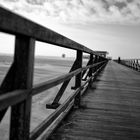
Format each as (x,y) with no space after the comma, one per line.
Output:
(109,25)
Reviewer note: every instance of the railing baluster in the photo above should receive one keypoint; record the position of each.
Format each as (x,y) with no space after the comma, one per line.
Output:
(55,103)
(91,69)
(84,73)
(7,85)
(16,89)
(20,113)
(131,63)
(95,61)
(78,78)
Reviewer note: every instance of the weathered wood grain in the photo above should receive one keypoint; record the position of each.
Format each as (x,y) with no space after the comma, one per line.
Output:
(78,78)
(110,109)
(12,98)
(45,124)
(23,79)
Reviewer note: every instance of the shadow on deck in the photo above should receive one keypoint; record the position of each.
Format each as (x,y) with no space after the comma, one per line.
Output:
(111,112)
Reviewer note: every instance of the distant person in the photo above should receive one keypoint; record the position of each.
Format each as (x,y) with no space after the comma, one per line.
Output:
(119,59)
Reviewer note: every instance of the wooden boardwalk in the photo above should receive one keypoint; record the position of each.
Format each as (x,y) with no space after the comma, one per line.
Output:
(110,110)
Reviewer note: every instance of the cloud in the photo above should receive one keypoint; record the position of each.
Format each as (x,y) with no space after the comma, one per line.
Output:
(80,11)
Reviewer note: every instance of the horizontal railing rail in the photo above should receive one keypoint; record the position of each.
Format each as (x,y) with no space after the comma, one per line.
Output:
(17,96)
(17,90)
(131,63)
(54,82)
(17,25)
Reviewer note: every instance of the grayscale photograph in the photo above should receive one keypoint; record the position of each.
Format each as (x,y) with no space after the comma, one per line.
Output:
(69,69)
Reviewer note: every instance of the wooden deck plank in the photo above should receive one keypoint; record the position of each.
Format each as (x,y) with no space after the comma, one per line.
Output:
(110,109)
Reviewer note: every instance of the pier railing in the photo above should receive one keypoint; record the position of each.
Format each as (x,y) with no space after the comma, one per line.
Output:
(17,90)
(131,63)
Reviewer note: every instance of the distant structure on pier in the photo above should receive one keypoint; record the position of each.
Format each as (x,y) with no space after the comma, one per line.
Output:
(101,53)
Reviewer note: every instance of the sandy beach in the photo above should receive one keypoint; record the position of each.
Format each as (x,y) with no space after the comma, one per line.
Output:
(44,70)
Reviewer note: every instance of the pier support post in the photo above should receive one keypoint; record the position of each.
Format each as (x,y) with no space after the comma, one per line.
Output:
(91,69)
(78,78)
(23,78)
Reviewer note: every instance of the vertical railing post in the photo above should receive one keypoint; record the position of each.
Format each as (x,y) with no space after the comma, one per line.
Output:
(78,78)
(23,62)
(99,60)
(134,64)
(91,69)
(137,64)
(91,62)
(130,63)
(95,61)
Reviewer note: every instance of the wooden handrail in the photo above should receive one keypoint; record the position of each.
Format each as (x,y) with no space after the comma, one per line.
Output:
(12,98)
(38,130)
(16,24)
(131,63)
(56,81)
(17,88)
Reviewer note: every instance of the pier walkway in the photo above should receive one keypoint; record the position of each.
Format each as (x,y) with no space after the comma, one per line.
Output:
(110,110)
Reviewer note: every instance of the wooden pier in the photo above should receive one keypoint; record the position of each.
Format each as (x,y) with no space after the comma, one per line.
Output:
(17,89)
(110,110)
